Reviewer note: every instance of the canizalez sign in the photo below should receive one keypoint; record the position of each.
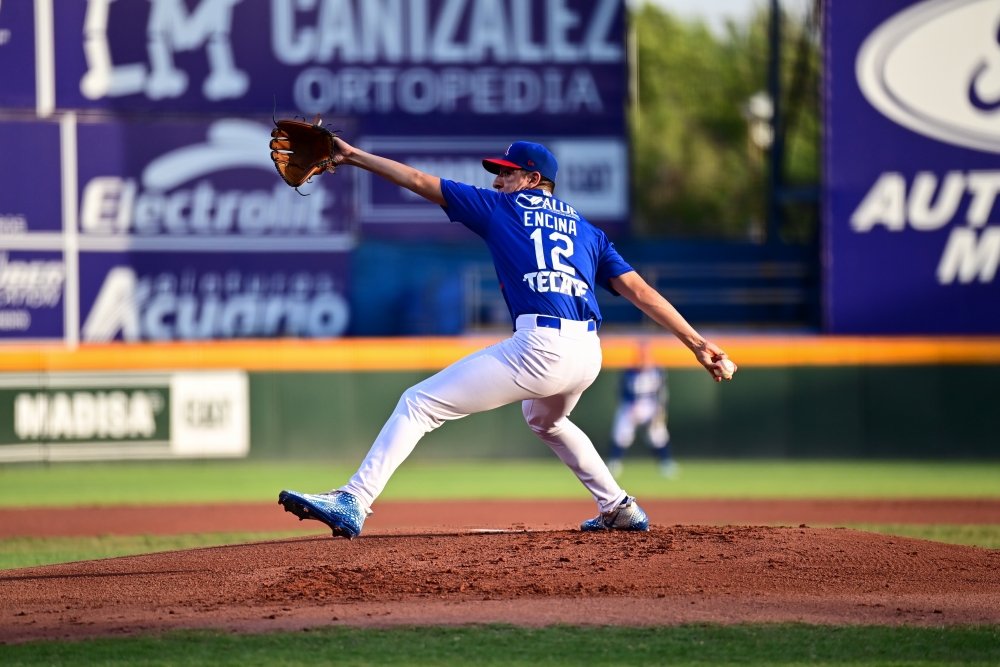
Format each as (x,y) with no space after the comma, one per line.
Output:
(912,234)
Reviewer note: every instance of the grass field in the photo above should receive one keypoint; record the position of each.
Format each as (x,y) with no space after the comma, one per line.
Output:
(31,551)
(986,536)
(559,645)
(191,482)
(245,481)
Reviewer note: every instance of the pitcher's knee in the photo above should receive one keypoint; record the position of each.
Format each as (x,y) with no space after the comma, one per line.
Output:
(542,424)
(419,407)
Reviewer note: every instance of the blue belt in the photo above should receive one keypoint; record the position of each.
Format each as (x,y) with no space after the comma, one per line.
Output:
(550,322)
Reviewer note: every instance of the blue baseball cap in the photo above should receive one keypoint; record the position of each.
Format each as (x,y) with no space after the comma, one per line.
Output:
(527,156)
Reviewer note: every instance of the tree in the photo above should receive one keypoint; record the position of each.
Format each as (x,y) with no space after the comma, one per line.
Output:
(695,170)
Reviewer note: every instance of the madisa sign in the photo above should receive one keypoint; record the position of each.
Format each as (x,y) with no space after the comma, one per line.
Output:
(105,416)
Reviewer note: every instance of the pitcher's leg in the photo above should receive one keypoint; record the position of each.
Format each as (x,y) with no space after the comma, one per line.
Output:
(548,418)
(482,381)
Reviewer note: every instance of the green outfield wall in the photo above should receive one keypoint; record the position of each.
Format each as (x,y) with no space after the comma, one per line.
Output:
(784,412)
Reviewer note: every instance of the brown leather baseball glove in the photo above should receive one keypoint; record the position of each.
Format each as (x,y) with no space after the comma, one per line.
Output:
(301,150)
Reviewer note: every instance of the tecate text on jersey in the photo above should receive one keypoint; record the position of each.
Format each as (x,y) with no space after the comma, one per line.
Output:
(555,281)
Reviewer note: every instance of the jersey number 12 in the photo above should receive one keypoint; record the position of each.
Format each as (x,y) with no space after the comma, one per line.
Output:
(557,251)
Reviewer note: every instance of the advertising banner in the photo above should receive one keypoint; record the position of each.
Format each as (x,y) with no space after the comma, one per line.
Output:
(30,193)
(406,66)
(199,296)
(912,149)
(202,186)
(592,175)
(154,120)
(105,416)
(31,295)
(182,230)
(17,55)
(451,74)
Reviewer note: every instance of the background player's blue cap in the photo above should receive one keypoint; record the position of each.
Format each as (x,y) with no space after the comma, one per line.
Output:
(528,156)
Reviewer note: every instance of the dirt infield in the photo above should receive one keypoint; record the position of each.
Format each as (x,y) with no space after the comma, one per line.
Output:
(266,517)
(528,577)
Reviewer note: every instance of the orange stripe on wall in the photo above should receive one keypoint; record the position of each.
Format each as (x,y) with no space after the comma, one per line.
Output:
(763,351)
(389,354)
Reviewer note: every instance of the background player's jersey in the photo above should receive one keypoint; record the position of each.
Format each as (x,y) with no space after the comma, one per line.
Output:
(644,384)
(547,256)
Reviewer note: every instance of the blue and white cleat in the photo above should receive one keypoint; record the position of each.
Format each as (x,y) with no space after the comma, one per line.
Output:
(627,516)
(341,511)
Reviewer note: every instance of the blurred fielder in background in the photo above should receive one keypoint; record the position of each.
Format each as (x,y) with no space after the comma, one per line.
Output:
(643,402)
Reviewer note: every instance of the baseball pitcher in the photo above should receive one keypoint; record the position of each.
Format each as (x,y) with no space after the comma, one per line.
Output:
(549,260)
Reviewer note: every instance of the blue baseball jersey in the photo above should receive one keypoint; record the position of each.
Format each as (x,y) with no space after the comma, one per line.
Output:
(644,384)
(548,258)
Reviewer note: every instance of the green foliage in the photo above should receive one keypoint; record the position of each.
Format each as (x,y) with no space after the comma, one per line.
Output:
(137,483)
(784,644)
(695,170)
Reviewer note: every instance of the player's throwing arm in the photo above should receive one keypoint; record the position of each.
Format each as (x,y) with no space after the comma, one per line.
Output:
(648,300)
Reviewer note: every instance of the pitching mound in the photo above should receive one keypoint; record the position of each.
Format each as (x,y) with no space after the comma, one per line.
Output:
(669,575)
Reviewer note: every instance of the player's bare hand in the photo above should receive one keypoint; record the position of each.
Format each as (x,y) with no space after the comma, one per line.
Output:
(342,151)
(711,357)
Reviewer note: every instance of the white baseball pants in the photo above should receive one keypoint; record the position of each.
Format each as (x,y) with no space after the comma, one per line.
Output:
(646,413)
(546,369)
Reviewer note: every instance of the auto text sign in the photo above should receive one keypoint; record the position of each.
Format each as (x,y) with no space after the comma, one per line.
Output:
(912,233)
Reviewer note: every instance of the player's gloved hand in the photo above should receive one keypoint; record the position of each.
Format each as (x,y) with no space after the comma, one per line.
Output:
(709,355)
(300,150)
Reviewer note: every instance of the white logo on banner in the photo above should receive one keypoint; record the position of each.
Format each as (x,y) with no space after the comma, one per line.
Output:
(971,252)
(115,205)
(170,29)
(33,283)
(231,143)
(121,416)
(86,414)
(210,414)
(354,35)
(935,69)
(213,305)
(363,32)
